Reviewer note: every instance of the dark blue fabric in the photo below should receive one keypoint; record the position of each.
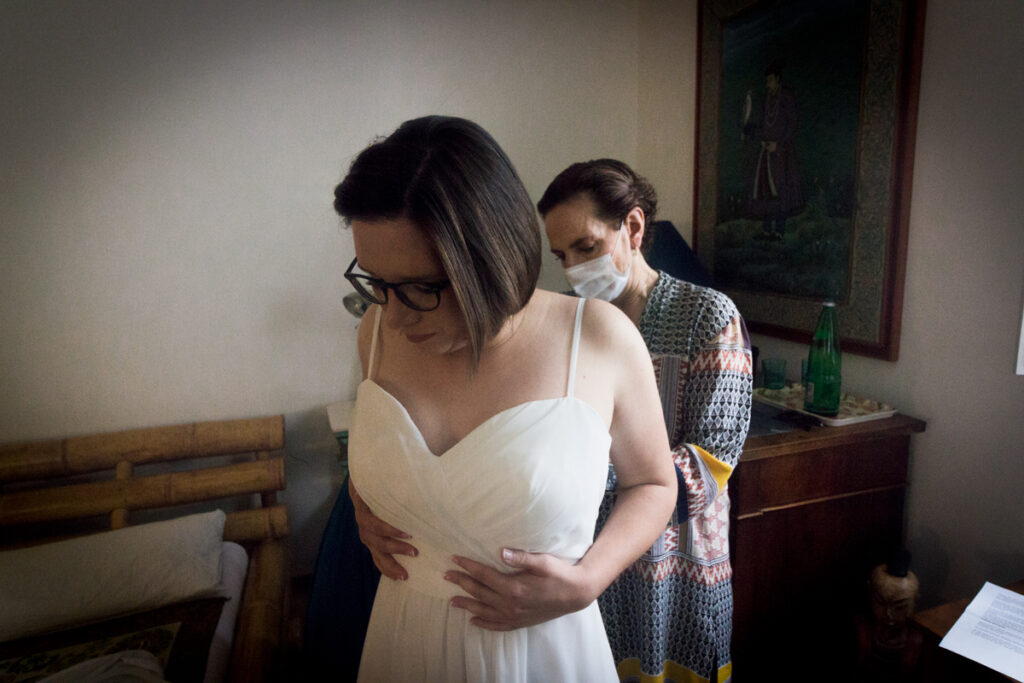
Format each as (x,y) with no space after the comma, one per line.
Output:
(682,500)
(341,597)
(669,252)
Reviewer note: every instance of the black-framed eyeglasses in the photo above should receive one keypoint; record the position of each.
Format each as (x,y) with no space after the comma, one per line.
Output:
(417,295)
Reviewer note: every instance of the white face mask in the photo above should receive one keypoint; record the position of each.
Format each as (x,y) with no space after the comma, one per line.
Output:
(599,278)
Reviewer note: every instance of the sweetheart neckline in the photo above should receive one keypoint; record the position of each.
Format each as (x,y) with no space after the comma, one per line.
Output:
(474,430)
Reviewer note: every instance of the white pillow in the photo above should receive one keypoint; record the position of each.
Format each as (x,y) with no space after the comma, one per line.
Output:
(127,666)
(232,583)
(110,573)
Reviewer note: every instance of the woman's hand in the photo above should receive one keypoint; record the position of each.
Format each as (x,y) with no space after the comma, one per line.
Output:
(544,588)
(381,539)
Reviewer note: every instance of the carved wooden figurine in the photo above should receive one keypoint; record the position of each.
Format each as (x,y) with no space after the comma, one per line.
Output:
(889,647)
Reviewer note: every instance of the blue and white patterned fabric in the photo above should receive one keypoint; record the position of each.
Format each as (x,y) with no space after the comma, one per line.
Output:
(669,616)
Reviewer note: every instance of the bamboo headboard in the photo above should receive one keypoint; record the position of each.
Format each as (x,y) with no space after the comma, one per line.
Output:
(35,495)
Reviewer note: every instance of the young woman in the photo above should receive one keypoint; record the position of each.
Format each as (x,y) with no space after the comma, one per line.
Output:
(486,420)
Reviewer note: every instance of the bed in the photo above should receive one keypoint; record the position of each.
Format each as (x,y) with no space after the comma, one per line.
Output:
(157,552)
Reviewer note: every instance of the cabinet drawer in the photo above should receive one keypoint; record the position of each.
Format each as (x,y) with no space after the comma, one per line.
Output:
(794,478)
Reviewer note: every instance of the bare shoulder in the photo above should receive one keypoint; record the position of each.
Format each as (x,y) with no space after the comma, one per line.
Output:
(546,297)
(552,309)
(608,329)
(611,345)
(602,322)
(614,371)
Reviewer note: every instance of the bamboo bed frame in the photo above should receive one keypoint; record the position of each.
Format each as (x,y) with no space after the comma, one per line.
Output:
(36,498)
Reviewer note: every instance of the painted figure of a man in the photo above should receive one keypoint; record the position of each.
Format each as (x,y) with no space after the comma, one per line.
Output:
(774,190)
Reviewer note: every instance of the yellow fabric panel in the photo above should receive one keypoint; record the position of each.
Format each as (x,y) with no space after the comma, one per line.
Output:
(719,470)
(630,668)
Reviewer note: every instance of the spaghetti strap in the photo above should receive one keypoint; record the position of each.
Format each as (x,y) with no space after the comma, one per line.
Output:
(373,343)
(575,346)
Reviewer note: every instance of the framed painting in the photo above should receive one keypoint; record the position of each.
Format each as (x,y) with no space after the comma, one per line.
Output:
(806,114)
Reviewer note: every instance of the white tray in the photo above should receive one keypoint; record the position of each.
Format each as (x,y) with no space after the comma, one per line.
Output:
(851,408)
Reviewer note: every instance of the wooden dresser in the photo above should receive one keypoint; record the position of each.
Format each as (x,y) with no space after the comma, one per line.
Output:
(813,511)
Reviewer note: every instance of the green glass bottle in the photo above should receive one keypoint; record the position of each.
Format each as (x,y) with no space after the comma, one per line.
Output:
(824,365)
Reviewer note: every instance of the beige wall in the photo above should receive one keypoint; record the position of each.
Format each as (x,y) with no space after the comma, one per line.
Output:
(168,251)
(667,105)
(962,305)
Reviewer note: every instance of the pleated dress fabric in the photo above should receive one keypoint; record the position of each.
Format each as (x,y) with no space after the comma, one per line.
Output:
(530,477)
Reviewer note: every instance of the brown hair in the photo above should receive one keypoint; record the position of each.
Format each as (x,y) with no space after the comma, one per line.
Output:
(615,188)
(449,176)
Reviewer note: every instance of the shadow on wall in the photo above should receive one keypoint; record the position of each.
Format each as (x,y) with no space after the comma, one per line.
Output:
(314,476)
(930,561)
(1001,568)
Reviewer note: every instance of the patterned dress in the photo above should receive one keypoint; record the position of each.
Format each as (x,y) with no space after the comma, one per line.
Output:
(669,615)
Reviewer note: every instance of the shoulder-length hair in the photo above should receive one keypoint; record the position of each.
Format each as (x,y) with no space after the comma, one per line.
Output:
(614,187)
(449,176)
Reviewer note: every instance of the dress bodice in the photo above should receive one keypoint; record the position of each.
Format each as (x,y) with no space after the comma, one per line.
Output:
(530,477)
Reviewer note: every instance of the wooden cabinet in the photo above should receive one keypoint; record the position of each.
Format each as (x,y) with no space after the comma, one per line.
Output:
(813,511)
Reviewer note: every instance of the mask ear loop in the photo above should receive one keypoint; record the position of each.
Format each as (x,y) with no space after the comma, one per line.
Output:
(629,237)
(629,263)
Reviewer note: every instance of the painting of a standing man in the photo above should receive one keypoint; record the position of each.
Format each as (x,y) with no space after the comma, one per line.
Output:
(774,190)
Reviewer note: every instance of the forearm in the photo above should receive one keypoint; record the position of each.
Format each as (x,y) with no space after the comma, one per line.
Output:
(640,515)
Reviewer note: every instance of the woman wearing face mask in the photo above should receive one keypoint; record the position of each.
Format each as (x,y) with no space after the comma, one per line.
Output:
(596,215)
(601,278)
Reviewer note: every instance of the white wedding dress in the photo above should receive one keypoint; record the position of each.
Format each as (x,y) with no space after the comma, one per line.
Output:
(530,477)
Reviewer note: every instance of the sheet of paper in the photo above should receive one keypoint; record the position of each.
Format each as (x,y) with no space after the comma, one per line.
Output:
(991,631)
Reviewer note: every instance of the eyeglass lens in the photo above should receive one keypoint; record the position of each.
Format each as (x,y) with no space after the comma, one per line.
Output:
(414,295)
